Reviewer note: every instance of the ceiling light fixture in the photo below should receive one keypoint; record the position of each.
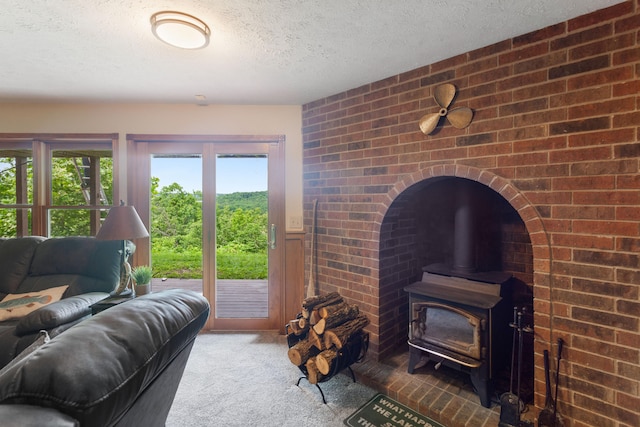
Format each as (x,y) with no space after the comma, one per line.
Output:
(180,30)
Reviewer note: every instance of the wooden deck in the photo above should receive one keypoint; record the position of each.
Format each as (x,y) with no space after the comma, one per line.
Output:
(237,299)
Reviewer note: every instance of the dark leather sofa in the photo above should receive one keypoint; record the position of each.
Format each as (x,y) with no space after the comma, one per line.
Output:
(120,367)
(91,268)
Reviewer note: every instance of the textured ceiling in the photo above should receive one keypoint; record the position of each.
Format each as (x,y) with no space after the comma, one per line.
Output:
(261,51)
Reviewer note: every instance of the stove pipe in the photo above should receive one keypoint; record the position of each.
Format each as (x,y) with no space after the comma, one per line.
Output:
(464,247)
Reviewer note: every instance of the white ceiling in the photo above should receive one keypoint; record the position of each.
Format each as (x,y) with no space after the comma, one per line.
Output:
(261,51)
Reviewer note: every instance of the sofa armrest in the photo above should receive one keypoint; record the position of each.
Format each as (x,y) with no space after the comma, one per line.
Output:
(34,416)
(104,370)
(59,313)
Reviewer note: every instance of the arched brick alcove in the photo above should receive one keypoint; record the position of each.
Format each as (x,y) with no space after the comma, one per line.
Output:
(401,250)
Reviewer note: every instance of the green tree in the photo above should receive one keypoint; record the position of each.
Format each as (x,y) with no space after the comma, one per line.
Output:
(176,234)
(8,226)
(241,230)
(66,190)
(176,219)
(244,200)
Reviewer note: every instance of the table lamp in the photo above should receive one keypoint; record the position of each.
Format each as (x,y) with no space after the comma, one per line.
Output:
(123,223)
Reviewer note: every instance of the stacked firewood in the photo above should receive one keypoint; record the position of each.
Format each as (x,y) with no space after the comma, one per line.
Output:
(322,329)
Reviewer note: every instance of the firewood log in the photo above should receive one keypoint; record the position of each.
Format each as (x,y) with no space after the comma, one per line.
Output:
(312,301)
(325,312)
(315,340)
(300,353)
(314,316)
(346,313)
(328,302)
(309,303)
(303,323)
(339,335)
(296,328)
(325,360)
(313,375)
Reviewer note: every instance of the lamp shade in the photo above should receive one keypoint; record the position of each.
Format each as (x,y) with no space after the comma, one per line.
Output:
(122,223)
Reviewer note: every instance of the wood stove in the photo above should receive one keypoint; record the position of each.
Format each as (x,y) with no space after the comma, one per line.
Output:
(457,322)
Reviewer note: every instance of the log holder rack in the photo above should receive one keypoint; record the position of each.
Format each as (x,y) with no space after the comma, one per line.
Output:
(353,351)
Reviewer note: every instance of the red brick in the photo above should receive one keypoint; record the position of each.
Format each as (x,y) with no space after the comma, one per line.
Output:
(521,134)
(533,78)
(618,105)
(584,66)
(476,67)
(606,227)
(528,51)
(583,241)
(542,170)
(627,24)
(414,74)
(600,15)
(602,77)
(589,182)
(524,107)
(545,89)
(607,137)
(625,57)
(535,36)
(540,144)
(602,46)
(577,38)
(577,155)
(626,120)
(626,88)
(580,96)
(607,197)
(493,49)
(563,152)
(539,117)
(628,182)
(441,77)
(449,63)
(627,151)
(490,150)
(490,76)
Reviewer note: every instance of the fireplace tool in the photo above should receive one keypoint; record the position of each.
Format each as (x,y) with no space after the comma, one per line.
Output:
(546,416)
(556,417)
(549,416)
(509,402)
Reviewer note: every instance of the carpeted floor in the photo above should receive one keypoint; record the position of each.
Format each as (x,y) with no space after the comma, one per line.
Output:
(246,379)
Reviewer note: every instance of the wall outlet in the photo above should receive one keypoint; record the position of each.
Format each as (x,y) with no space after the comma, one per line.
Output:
(295,222)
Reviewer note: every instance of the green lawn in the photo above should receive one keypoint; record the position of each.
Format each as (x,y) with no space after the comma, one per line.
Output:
(188,265)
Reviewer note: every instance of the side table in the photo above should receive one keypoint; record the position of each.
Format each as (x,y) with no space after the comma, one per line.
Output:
(109,302)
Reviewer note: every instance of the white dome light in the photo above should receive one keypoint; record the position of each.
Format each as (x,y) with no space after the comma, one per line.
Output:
(180,30)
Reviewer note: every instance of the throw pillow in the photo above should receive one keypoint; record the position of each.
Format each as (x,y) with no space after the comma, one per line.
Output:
(15,306)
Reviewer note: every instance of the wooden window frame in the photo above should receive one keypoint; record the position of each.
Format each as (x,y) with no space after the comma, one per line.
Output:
(42,146)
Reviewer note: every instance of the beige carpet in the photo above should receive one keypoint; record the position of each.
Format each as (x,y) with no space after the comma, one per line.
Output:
(246,379)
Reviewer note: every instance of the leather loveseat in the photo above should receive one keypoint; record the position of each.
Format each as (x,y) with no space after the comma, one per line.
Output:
(86,269)
(120,367)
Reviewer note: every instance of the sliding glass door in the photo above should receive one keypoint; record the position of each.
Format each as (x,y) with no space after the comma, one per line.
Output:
(216,215)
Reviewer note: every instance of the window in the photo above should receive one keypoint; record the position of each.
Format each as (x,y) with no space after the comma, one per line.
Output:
(16,189)
(56,186)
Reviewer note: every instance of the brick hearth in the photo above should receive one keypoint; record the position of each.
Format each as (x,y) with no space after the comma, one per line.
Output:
(555,134)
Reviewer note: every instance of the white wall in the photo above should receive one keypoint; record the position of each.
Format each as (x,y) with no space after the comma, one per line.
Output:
(180,119)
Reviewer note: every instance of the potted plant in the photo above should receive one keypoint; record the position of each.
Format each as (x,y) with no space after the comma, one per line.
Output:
(141,276)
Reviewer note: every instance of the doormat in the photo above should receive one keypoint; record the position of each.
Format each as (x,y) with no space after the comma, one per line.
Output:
(382,411)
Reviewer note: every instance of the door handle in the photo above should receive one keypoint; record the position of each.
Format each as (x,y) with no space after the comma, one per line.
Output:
(272,236)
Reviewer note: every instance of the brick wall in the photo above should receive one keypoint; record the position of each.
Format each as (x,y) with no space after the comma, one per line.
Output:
(555,134)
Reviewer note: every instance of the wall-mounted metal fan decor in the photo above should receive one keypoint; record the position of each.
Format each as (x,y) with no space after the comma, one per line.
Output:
(458,117)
